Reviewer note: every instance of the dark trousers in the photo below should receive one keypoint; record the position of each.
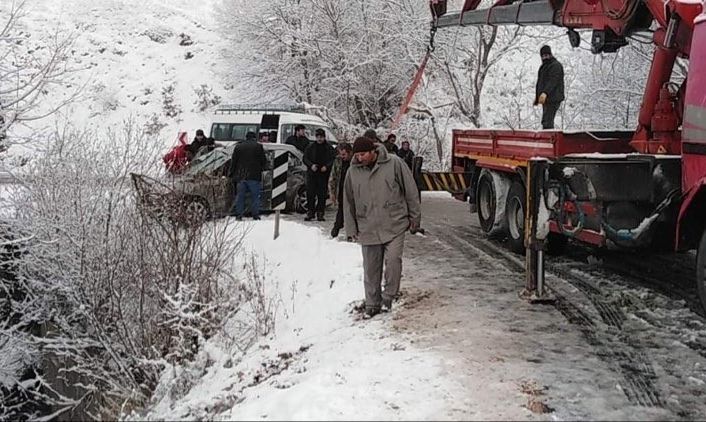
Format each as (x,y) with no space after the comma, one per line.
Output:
(316,185)
(243,187)
(339,218)
(548,114)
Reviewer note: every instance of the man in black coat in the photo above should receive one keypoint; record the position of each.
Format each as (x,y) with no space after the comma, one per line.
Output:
(247,164)
(390,145)
(345,154)
(299,139)
(407,155)
(318,159)
(199,142)
(550,87)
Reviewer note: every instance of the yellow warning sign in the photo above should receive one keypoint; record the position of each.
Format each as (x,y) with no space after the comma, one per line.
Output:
(661,150)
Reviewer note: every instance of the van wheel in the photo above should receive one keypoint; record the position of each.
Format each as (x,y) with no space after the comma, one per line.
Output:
(701,270)
(515,212)
(485,202)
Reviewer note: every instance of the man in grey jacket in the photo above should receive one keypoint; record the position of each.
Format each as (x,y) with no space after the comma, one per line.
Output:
(380,204)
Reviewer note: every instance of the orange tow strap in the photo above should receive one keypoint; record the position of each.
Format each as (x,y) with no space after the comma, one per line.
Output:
(411,91)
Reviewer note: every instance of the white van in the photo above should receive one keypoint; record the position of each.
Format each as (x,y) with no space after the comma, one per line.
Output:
(232,123)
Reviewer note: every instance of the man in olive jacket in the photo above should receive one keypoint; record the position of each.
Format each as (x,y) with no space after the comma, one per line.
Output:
(550,87)
(380,204)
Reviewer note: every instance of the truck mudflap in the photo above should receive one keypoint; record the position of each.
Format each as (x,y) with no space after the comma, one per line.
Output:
(453,182)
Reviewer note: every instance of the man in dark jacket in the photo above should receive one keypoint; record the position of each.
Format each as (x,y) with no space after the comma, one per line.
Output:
(318,159)
(299,139)
(550,87)
(247,165)
(390,145)
(200,141)
(372,135)
(407,155)
(345,153)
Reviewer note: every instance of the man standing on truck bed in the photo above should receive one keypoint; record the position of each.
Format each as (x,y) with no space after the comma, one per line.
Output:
(550,87)
(318,159)
(380,204)
(299,139)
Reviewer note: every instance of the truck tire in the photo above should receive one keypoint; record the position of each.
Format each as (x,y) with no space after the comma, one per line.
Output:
(701,270)
(486,202)
(515,212)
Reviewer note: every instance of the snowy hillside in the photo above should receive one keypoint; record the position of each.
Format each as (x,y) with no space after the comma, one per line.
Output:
(146,59)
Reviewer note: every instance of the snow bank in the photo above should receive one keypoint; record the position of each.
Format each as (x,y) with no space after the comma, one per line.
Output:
(320,363)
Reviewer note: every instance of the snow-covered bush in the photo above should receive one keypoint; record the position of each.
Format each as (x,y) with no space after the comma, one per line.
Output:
(108,296)
(206,98)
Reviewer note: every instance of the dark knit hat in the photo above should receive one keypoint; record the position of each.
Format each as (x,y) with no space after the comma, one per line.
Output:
(320,132)
(363,144)
(199,132)
(250,136)
(545,50)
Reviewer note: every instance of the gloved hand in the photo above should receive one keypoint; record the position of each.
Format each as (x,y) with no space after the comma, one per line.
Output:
(542,98)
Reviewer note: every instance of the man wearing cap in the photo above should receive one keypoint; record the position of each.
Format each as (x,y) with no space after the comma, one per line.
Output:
(299,139)
(199,142)
(380,204)
(390,145)
(372,135)
(246,168)
(318,158)
(550,87)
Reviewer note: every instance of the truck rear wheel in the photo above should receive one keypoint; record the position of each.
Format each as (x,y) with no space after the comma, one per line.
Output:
(486,199)
(515,211)
(701,270)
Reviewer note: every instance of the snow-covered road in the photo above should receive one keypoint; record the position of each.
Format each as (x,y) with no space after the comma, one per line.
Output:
(460,344)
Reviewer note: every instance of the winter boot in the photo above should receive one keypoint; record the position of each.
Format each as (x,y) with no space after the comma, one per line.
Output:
(386,305)
(309,217)
(320,217)
(370,312)
(334,232)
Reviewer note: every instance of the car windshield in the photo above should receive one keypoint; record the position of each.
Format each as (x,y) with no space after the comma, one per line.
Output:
(210,162)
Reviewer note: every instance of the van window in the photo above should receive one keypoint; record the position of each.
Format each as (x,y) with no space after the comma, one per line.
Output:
(288,130)
(232,131)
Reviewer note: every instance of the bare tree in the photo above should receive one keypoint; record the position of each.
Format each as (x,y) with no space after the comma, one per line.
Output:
(26,74)
(353,57)
(106,293)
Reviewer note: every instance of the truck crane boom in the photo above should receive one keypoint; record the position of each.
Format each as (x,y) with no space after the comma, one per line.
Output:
(612,22)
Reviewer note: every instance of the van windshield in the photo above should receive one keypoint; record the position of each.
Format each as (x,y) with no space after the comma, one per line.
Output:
(232,131)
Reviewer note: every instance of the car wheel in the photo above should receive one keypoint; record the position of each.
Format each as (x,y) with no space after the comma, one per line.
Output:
(300,201)
(196,211)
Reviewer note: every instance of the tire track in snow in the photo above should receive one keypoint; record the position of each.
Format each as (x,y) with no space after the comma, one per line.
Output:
(612,345)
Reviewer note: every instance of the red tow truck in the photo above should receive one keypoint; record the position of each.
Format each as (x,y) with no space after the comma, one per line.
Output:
(632,189)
